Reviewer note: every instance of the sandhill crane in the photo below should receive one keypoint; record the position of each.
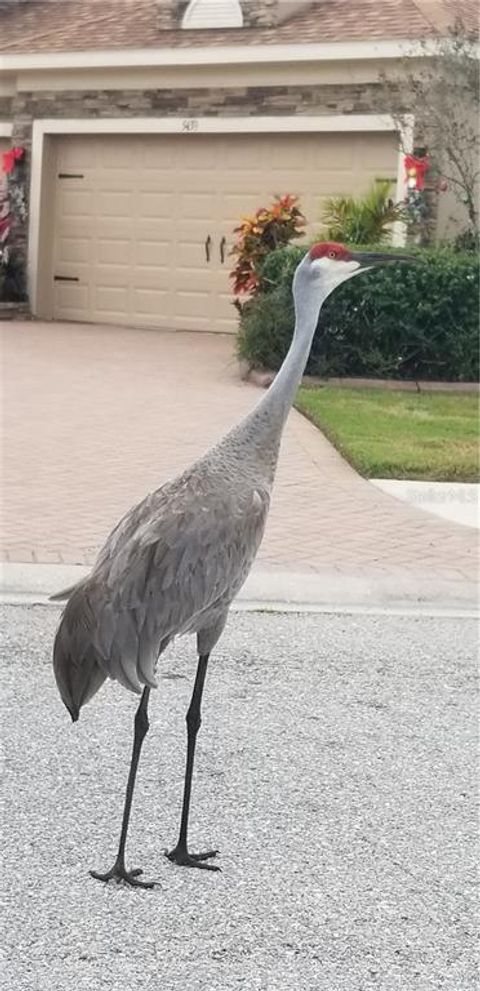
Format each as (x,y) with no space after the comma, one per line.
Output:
(175,562)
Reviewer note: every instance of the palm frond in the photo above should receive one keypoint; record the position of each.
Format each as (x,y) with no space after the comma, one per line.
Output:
(364,219)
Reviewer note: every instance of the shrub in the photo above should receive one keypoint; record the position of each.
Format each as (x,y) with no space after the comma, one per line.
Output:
(12,281)
(260,234)
(401,321)
(364,219)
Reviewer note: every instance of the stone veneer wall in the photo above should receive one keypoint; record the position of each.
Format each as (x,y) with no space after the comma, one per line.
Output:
(269,13)
(259,13)
(239,101)
(358,98)
(6,107)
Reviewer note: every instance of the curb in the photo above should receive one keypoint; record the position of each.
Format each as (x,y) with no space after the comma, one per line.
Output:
(281,591)
(262,378)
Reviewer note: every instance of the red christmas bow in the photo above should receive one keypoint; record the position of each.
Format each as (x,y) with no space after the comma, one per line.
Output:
(11,157)
(419,166)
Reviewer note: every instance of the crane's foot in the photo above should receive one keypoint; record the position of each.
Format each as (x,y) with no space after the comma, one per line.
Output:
(183,858)
(120,874)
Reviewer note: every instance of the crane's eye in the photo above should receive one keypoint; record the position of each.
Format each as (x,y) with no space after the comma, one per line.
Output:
(332,254)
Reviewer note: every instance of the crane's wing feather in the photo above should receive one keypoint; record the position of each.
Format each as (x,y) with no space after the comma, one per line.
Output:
(167,562)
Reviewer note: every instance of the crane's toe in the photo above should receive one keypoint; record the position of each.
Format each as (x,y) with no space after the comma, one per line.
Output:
(185,859)
(120,874)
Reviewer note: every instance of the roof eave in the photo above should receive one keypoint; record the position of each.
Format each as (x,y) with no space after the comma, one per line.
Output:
(337,51)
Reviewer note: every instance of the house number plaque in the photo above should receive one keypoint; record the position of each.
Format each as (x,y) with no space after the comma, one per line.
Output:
(190,124)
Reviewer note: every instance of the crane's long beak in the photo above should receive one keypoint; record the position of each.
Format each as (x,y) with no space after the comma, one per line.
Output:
(369,258)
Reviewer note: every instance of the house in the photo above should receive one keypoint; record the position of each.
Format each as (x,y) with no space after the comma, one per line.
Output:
(151,126)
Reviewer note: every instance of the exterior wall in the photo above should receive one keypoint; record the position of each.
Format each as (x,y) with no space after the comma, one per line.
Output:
(451,216)
(6,107)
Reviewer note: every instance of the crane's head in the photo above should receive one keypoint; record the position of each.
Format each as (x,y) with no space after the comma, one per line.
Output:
(328,264)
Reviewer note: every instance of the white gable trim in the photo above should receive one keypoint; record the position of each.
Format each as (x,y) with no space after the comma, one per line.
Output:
(334,123)
(337,51)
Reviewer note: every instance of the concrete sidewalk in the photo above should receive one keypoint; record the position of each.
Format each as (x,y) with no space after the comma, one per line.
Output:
(95,417)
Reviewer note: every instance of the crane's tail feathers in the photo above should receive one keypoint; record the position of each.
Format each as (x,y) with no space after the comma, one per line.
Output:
(64,594)
(76,663)
(78,680)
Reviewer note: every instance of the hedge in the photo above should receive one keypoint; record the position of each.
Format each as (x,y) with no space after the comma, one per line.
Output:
(403,321)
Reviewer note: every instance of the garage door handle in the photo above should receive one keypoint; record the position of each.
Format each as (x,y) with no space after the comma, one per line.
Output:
(222,249)
(65,278)
(207,248)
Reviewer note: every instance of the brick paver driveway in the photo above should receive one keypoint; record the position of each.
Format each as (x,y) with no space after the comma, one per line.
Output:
(95,417)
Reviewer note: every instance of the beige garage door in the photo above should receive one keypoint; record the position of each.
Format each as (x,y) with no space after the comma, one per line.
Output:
(143,225)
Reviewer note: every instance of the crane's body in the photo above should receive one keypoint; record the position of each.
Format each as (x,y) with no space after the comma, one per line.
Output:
(176,561)
(167,569)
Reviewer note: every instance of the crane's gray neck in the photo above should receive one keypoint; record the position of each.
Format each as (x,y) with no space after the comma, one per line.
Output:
(283,390)
(262,428)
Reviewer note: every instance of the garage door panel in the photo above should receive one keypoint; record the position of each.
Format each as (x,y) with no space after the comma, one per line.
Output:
(111,275)
(373,151)
(146,230)
(328,154)
(152,277)
(75,154)
(155,180)
(72,297)
(194,252)
(153,253)
(248,181)
(192,279)
(151,301)
(194,152)
(155,204)
(116,155)
(134,229)
(111,182)
(74,249)
(159,153)
(197,206)
(111,298)
(198,181)
(79,203)
(190,304)
(113,204)
(113,252)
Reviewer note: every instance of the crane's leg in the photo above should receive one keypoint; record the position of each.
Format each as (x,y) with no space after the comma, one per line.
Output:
(119,870)
(180,854)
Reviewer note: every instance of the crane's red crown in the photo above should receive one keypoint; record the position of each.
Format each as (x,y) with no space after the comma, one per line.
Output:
(330,249)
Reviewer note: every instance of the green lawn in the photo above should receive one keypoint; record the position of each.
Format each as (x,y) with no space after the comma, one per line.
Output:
(388,434)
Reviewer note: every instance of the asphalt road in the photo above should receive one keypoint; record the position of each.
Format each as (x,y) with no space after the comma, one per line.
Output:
(336,772)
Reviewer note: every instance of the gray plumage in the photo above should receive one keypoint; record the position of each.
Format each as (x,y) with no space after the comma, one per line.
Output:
(171,566)
(175,562)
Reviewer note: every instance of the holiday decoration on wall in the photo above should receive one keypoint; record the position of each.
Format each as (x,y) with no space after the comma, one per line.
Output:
(13,167)
(10,158)
(416,168)
(13,213)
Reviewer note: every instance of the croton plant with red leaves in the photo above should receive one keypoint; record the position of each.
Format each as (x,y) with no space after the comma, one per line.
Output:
(269,228)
